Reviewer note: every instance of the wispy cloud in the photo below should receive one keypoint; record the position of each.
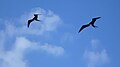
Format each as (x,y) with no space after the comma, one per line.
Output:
(52,49)
(95,57)
(15,56)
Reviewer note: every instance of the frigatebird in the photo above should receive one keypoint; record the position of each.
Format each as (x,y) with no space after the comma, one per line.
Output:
(91,23)
(34,18)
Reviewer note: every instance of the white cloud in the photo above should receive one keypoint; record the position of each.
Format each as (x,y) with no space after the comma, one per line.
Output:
(2,39)
(52,49)
(95,58)
(15,57)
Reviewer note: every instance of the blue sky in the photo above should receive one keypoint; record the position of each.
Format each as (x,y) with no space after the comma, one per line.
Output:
(55,42)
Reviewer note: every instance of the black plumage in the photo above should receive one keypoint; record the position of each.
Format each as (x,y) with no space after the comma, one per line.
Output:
(34,18)
(91,23)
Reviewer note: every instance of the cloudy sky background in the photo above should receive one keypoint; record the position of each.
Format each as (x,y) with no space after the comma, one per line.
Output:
(55,42)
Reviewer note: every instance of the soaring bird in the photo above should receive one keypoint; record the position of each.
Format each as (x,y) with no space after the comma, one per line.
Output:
(34,18)
(91,23)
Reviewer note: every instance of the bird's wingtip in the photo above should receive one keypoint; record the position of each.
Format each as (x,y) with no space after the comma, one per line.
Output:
(37,14)
(98,17)
(79,31)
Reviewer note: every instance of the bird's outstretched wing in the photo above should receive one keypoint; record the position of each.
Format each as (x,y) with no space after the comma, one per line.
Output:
(29,21)
(84,26)
(94,19)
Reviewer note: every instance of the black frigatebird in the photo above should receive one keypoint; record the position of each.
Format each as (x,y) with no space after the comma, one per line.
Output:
(34,18)
(91,23)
